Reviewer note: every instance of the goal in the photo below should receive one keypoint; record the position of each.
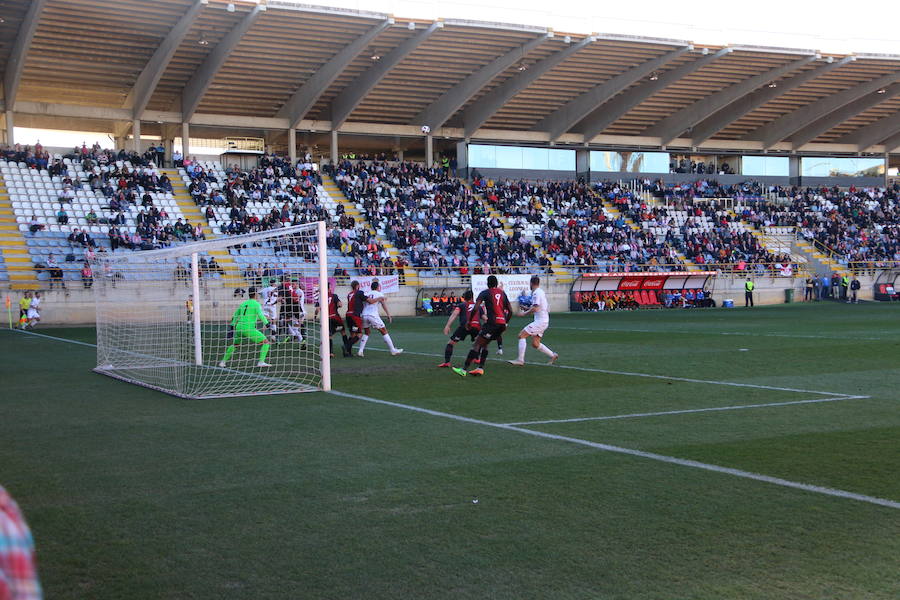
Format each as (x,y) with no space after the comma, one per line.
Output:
(164,317)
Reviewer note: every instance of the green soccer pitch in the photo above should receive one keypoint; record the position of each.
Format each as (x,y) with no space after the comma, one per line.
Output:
(711,454)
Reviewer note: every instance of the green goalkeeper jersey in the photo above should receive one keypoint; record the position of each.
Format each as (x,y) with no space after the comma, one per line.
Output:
(247,314)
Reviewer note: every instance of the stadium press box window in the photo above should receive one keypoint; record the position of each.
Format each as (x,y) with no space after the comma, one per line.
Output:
(825,166)
(520,157)
(630,162)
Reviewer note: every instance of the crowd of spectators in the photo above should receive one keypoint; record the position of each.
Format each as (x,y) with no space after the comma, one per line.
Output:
(440,224)
(573,226)
(433,218)
(859,225)
(273,194)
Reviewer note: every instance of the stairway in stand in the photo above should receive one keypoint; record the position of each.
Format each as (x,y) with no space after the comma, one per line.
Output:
(613,210)
(557,268)
(778,243)
(816,261)
(335,193)
(22,275)
(192,213)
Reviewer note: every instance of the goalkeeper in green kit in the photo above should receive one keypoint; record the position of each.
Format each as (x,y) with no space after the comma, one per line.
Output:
(243,327)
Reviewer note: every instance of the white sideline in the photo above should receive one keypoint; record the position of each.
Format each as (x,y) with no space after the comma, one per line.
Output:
(687,411)
(605,447)
(639,453)
(51,337)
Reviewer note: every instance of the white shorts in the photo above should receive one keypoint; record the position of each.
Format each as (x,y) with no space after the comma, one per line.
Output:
(271,312)
(535,328)
(33,314)
(372,321)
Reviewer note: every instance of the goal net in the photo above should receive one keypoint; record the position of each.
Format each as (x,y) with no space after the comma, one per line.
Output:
(184,319)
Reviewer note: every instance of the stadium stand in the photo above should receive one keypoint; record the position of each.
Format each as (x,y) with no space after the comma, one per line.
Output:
(435,219)
(386,217)
(235,201)
(77,207)
(570,222)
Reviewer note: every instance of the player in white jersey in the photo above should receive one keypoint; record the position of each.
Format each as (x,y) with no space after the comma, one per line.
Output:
(34,311)
(540,308)
(370,319)
(270,305)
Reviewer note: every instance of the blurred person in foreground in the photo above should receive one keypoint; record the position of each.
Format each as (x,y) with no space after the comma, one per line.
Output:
(18,574)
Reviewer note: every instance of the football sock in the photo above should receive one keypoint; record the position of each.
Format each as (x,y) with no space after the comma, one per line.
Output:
(448,352)
(389,342)
(473,354)
(545,350)
(228,352)
(264,352)
(344,338)
(483,358)
(331,346)
(362,342)
(522,344)
(500,342)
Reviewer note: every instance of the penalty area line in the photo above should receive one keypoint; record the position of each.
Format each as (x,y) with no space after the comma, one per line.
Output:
(648,375)
(806,487)
(688,411)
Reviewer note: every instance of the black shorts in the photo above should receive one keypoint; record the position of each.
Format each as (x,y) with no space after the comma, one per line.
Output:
(335,325)
(462,332)
(354,323)
(491,331)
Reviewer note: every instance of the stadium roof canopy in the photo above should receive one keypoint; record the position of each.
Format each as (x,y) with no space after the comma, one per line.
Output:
(279,65)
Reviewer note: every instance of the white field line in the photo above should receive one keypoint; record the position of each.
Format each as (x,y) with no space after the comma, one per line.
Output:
(687,411)
(650,375)
(638,453)
(848,337)
(51,337)
(605,447)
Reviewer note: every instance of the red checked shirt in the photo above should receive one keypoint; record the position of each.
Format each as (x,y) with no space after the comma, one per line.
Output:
(18,576)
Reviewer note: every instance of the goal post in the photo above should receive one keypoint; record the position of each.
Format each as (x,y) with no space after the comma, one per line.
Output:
(180,319)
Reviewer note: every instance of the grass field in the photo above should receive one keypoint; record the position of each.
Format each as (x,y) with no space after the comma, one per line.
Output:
(134,494)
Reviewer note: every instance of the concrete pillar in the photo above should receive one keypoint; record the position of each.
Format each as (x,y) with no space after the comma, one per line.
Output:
(794,170)
(335,157)
(10,129)
(583,164)
(462,159)
(429,150)
(169,145)
(887,166)
(292,145)
(400,154)
(120,143)
(185,139)
(136,135)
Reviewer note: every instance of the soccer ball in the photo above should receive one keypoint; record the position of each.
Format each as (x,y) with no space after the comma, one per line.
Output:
(426,129)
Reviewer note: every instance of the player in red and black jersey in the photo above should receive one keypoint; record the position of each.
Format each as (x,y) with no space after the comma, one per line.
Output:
(469,322)
(497,314)
(335,323)
(356,300)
